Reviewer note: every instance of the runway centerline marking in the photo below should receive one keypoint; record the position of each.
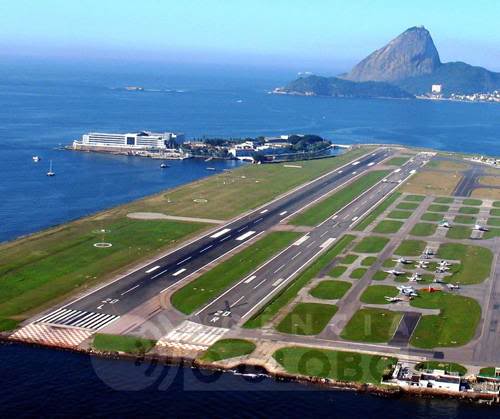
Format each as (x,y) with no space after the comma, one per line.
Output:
(280,268)
(183,260)
(206,248)
(131,289)
(293,257)
(258,220)
(154,268)
(159,273)
(260,283)
(237,301)
(224,239)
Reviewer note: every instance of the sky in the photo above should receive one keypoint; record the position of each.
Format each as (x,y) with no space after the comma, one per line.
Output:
(315,35)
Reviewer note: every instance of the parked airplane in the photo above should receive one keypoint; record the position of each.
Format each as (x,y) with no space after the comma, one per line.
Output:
(415,277)
(438,281)
(445,224)
(408,291)
(442,269)
(394,272)
(453,286)
(393,299)
(402,260)
(422,264)
(479,227)
(444,263)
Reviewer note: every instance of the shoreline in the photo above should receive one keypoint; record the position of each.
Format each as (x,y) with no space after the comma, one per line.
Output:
(239,367)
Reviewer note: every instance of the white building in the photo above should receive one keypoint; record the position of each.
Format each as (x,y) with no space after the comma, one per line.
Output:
(134,141)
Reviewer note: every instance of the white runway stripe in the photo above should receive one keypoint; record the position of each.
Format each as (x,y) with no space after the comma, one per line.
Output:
(154,268)
(77,318)
(220,233)
(245,236)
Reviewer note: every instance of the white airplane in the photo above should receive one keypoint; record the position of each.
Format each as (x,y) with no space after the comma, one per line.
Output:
(442,269)
(394,272)
(402,260)
(428,251)
(408,291)
(453,286)
(445,224)
(479,227)
(415,277)
(422,264)
(393,299)
(438,281)
(444,263)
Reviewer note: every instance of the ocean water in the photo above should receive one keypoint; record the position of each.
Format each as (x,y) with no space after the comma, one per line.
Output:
(47,104)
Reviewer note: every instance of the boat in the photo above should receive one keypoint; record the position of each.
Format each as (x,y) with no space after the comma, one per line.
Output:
(51,172)
(164,165)
(210,168)
(36,159)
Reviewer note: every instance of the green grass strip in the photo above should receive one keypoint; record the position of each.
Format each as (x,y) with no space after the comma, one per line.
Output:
(122,343)
(336,365)
(448,367)
(228,348)
(307,319)
(211,284)
(287,294)
(325,208)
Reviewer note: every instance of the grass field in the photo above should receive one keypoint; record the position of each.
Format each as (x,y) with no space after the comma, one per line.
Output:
(459,232)
(423,229)
(371,244)
(487,193)
(410,248)
(494,222)
(336,365)
(223,192)
(487,372)
(368,261)
(407,205)
(40,270)
(380,276)
(399,214)
(358,273)
(454,326)
(496,204)
(337,271)
(372,325)
(377,211)
(490,180)
(431,182)
(469,210)
(495,212)
(375,294)
(464,219)
(388,227)
(307,319)
(449,367)
(414,198)
(212,283)
(473,202)
(447,165)
(330,205)
(438,208)
(330,290)
(122,343)
(227,348)
(397,161)
(348,259)
(432,216)
(475,264)
(443,200)
(493,232)
(287,294)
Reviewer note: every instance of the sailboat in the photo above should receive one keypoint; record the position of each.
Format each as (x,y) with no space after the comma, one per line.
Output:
(51,172)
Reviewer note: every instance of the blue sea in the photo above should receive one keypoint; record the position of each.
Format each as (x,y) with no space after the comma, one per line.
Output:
(45,104)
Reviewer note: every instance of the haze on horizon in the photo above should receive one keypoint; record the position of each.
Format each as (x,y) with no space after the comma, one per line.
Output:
(324,37)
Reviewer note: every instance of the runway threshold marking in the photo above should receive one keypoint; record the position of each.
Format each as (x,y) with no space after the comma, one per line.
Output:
(220,233)
(179,272)
(245,236)
(154,268)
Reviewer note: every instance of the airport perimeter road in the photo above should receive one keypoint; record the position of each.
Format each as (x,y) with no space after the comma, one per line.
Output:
(125,294)
(244,298)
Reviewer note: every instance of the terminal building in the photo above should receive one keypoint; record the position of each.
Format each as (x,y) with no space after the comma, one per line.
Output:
(144,140)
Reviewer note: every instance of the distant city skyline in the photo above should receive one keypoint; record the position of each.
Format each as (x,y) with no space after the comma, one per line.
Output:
(325,35)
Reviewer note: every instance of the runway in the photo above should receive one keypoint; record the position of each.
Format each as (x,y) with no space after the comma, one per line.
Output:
(128,292)
(244,298)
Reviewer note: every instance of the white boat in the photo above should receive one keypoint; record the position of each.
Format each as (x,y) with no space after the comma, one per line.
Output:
(51,172)
(164,165)
(36,159)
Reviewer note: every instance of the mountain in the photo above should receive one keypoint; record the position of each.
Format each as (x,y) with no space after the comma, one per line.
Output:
(408,65)
(334,86)
(411,54)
